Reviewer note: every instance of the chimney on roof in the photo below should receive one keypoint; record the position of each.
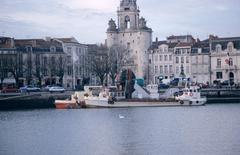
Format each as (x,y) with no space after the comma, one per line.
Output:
(48,38)
(156,39)
(198,40)
(211,37)
(12,42)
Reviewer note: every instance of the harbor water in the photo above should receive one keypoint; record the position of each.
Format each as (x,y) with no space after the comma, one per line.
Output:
(211,129)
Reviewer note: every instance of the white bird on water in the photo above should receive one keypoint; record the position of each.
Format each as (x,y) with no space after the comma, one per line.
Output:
(121,116)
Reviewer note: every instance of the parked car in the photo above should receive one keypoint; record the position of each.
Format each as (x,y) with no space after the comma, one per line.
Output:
(46,88)
(226,83)
(174,82)
(30,89)
(10,90)
(163,86)
(56,89)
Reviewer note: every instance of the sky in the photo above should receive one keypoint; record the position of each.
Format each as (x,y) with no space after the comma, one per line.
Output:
(87,20)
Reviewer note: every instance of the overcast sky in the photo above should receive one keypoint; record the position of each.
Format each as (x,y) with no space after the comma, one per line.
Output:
(87,20)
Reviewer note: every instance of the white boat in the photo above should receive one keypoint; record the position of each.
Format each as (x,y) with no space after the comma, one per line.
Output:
(191,96)
(103,100)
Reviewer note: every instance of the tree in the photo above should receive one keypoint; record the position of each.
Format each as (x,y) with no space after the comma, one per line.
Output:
(100,67)
(14,67)
(61,65)
(99,63)
(2,70)
(118,57)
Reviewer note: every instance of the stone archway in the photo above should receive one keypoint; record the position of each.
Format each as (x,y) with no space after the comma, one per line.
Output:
(127,81)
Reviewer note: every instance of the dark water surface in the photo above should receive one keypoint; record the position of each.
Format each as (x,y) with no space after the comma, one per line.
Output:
(211,129)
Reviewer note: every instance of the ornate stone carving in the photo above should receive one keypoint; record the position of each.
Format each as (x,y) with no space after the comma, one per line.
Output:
(112,25)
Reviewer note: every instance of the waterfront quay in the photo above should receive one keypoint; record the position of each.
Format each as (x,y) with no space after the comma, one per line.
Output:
(33,100)
(42,100)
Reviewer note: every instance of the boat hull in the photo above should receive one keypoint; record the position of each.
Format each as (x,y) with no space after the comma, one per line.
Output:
(63,104)
(129,104)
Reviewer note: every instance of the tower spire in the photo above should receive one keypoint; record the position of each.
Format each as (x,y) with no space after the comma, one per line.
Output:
(131,4)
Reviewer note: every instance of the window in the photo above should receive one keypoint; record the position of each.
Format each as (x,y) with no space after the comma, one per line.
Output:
(230,62)
(156,69)
(45,60)
(69,49)
(187,59)
(128,45)
(127,22)
(187,69)
(156,59)
(166,69)
(165,49)
(183,51)
(69,70)
(230,47)
(161,69)
(177,70)
(170,69)
(165,57)
(37,60)
(69,59)
(160,57)
(177,60)
(218,63)
(170,57)
(218,48)
(29,49)
(53,61)
(182,59)
(161,50)
(219,75)
(80,70)
(178,51)
(52,49)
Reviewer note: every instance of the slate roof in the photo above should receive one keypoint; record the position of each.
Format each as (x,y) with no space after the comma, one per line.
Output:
(38,45)
(68,40)
(156,44)
(184,44)
(204,45)
(224,42)
(179,37)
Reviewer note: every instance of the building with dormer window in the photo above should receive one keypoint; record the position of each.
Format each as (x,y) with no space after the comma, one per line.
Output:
(225,56)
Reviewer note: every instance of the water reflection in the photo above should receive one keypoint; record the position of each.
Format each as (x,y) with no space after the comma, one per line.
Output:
(211,129)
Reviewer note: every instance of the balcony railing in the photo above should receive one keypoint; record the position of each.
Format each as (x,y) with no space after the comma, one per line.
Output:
(228,67)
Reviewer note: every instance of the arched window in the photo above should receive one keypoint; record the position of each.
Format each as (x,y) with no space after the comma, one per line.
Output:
(218,48)
(219,63)
(127,22)
(230,47)
(230,62)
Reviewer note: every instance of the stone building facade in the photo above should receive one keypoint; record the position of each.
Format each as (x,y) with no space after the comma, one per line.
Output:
(9,60)
(42,63)
(50,61)
(200,62)
(225,59)
(78,53)
(132,34)
(161,58)
(171,58)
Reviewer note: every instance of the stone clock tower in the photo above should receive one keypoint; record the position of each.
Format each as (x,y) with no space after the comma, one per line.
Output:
(131,33)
